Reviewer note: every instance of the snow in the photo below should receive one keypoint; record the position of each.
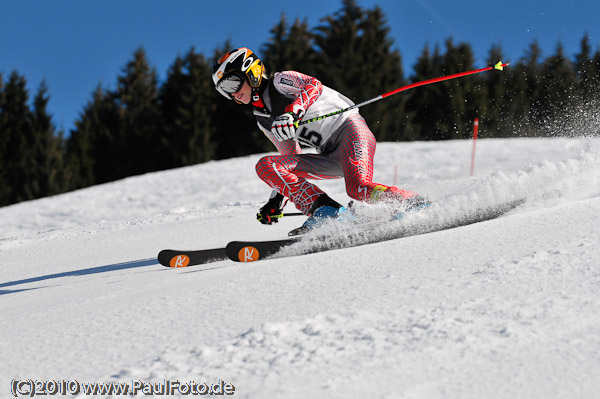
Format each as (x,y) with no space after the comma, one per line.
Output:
(501,309)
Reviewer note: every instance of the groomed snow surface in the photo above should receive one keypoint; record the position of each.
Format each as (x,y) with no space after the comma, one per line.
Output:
(508,308)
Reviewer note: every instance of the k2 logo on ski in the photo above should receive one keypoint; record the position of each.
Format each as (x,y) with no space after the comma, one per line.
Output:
(180,261)
(248,254)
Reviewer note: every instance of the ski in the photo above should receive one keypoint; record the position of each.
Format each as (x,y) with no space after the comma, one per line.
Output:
(177,258)
(239,251)
(252,251)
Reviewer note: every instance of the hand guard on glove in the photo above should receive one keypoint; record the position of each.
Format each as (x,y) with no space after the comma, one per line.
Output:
(283,127)
(272,211)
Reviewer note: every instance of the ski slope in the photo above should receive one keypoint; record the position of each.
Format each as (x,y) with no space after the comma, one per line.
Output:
(507,308)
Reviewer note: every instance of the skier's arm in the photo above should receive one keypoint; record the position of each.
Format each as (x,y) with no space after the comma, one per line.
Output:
(305,88)
(306,91)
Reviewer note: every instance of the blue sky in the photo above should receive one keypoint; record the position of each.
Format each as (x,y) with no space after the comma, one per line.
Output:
(76,44)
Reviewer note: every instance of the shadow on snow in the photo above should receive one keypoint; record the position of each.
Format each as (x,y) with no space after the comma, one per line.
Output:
(81,272)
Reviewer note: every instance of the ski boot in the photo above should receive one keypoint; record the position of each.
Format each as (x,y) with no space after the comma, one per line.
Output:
(323,209)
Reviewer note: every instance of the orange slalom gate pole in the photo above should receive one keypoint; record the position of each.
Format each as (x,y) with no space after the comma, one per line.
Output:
(475,132)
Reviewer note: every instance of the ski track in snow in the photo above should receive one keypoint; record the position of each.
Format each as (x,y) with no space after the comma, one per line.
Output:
(502,309)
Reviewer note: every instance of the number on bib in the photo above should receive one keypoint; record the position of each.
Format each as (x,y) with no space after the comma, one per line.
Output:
(309,137)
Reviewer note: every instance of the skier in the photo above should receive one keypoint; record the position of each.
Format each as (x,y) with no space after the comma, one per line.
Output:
(345,145)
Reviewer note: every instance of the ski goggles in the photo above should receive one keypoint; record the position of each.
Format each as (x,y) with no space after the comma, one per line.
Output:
(230,84)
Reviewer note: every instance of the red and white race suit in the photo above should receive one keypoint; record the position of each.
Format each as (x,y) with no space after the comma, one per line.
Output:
(345,145)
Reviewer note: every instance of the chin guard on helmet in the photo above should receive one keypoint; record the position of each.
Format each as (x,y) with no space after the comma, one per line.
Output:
(233,68)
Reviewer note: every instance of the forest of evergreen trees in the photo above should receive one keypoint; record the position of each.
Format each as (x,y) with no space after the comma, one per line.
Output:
(143,125)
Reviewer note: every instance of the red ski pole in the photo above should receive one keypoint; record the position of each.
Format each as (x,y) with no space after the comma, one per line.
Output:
(499,66)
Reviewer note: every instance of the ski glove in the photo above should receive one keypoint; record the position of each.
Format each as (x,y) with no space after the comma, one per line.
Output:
(272,211)
(283,127)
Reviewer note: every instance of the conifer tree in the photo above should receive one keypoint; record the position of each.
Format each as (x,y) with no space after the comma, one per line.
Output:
(500,102)
(382,71)
(337,40)
(4,190)
(138,141)
(558,85)
(357,60)
(458,99)
(596,64)
(118,133)
(274,52)
(527,73)
(91,147)
(290,48)
(423,102)
(186,104)
(18,129)
(2,113)
(47,149)
(79,161)
(587,71)
(514,104)
(595,75)
(30,151)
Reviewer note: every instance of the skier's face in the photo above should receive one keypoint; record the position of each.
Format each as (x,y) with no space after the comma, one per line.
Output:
(244,94)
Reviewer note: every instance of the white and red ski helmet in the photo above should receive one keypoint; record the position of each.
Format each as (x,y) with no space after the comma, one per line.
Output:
(230,71)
